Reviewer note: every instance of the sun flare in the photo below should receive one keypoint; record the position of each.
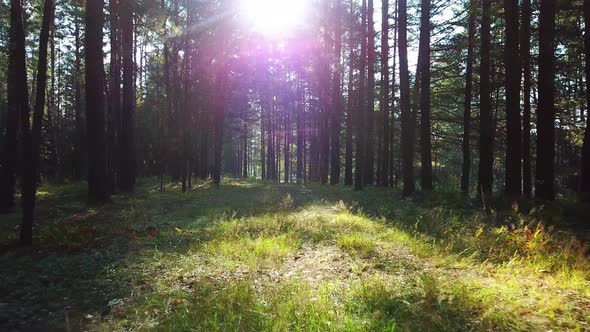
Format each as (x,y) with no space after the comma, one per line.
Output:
(274,17)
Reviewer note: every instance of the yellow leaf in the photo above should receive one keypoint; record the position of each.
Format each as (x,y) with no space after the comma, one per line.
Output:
(479,232)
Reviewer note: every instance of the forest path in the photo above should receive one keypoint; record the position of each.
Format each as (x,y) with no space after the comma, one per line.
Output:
(265,257)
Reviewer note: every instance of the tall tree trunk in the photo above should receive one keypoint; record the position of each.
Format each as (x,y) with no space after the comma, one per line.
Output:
(184,124)
(425,132)
(286,155)
(327,107)
(526,112)
(360,137)
(219,107)
(79,150)
(245,152)
(18,107)
(350,111)
(585,188)
(545,174)
(31,144)
(407,139)
(486,139)
(17,99)
(465,175)
(370,101)
(392,177)
(114,116)
(127,174)
(300,131)
(384,103)
(164,154)
(513,120)
(336,97)
(98,189)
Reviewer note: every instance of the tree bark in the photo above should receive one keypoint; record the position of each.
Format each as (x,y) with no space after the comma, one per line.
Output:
(32,137)
(526,112)
(407,139)
(79,151)
(17,100)
(369,177)
(98,189)
(220,85)
(126,181)
(384,103)
(465,175)
(545,174)
(300,132)
(585,189)
(425,132)
(350,111)
(486,139)
(336,97)
(513,120)
(114,115)
(360,137)
(392,176)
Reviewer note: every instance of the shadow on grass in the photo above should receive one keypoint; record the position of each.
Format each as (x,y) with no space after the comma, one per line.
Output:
(72,270)
(84,259)
(376,304)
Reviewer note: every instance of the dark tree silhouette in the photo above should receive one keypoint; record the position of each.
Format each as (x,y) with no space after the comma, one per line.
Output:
(32,136)
(126,180)
(585,196)
(513,120)
(115,153)
(525,53)
(17,99)
(98,184)
(220,84)
(425,132)
(369,167)
(336,97)
(384,94)
(466,173)
(407,139)
(360,137)
(545,173)
(350,102)
(486,135)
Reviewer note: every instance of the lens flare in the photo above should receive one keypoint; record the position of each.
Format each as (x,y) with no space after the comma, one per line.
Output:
(274,17)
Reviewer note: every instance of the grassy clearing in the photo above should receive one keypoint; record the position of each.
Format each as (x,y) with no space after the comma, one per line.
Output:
(261,257)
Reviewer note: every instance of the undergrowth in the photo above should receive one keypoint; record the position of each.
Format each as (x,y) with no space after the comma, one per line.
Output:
(252,256)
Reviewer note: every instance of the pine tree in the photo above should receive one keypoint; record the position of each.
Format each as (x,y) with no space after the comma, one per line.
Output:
(407,139)
(513,123)
(384,91)
(525,54)
(585,195)
(98,184)
(545,173)
(424,68)
(127,173)
(486,136)
(465,175)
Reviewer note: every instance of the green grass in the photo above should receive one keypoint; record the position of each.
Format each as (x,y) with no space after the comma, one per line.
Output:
(358,244)
(252,256)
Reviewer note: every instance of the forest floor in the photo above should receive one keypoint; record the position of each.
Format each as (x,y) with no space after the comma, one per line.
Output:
(252,256)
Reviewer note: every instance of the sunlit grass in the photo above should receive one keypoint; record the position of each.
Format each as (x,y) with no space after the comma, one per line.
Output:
(260,257)
(358,244)
(253,252)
